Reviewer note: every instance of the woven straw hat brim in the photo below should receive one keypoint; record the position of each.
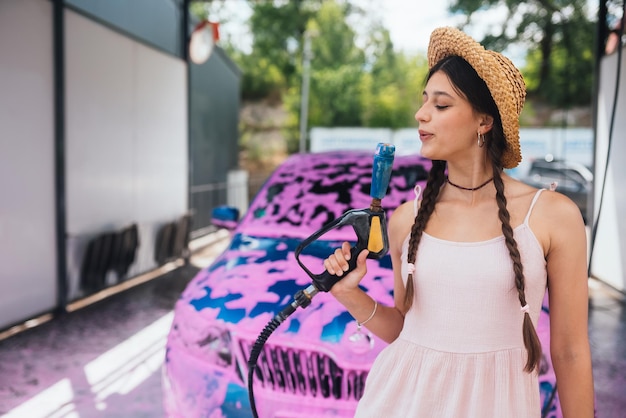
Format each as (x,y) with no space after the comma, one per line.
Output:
(503,79)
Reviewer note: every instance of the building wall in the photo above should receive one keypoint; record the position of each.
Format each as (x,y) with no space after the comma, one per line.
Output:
(214,130)
(126,140)
(114,154)
(27,200)
(609,245)
(155,22)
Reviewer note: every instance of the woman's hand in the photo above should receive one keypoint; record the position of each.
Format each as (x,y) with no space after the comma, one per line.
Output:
(337,264)
(387,321)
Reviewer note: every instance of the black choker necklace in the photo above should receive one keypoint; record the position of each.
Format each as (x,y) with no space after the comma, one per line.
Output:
(471,189)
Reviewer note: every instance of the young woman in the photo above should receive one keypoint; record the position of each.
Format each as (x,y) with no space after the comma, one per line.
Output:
(473,256)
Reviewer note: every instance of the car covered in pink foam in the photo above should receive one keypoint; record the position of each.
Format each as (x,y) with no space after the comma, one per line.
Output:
(311,365)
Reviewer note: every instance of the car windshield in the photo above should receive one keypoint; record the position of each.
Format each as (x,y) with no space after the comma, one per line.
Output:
(575,176)
(310,190)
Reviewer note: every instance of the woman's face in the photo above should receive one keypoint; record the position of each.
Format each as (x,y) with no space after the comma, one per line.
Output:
(448,125)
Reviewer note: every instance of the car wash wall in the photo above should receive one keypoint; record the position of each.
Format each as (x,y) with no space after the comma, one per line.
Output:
(97,125)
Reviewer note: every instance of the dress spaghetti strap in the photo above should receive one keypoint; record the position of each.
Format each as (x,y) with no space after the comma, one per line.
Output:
(418,192)
(532,204)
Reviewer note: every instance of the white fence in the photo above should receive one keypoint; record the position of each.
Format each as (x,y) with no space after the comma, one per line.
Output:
(573,144)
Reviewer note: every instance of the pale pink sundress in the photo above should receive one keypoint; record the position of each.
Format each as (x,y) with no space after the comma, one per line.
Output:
(461,352)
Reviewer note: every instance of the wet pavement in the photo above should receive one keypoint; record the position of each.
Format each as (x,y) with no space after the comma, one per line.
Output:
(607,335)
(104,360)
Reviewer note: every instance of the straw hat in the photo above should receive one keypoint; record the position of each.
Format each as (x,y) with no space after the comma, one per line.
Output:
(503,79)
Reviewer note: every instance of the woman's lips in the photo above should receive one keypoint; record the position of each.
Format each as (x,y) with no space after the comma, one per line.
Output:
(425,135)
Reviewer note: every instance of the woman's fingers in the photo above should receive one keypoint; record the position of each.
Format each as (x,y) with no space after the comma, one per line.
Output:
(337,263)
(331,266)
(345,248)
(360,261)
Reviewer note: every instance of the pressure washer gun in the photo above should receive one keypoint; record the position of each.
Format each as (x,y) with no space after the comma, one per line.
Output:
(370,226)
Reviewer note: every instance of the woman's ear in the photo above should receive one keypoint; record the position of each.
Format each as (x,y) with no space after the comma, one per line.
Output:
(486,123)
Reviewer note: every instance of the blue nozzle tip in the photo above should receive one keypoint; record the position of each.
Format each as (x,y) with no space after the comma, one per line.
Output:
(385,150)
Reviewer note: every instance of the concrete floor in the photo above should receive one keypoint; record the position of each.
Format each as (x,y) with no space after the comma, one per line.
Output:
(104,360)
(607,334)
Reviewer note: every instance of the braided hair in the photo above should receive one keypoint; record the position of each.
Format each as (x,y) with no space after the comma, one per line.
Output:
(468,84)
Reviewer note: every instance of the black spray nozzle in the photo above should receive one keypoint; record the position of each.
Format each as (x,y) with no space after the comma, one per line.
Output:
(370,225)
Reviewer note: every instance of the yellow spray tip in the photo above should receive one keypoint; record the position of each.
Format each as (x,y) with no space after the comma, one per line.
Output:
(375,240)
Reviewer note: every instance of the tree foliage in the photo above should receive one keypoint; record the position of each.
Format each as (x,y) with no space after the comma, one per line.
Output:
(558,35)
(359,79)
(355,80)
(278,27)
(336,70)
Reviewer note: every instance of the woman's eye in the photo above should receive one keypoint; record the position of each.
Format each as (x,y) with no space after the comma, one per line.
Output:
(441,107)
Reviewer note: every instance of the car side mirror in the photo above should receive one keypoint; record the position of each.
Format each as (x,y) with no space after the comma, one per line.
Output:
(225,217)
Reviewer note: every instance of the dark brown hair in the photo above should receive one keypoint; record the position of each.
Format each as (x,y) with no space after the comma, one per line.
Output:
(467,83)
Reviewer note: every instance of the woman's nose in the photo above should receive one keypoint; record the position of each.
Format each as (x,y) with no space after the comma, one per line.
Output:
(420,115)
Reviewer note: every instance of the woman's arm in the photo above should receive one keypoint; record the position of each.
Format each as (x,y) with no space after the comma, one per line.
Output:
(568,291)
(388,320)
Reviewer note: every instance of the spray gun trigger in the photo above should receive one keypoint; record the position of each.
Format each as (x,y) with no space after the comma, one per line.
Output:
(375,240)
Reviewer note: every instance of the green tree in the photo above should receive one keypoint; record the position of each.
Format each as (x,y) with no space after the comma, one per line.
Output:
(261,77)
(356,78)
(371,85)
(336,74)
(569,81)
(278,27)
(394,84)
(337,69)
(559,38)
(393,104)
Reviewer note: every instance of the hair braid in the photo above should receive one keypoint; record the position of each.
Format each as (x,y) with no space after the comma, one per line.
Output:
(436,178)
(531,340)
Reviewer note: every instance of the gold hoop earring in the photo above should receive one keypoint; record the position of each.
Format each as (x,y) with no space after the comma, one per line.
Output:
(481,140)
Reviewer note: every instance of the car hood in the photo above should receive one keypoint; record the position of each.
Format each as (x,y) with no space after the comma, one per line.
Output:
(308,191)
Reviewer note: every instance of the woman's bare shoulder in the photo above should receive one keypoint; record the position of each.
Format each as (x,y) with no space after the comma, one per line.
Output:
(401,222)
(556,220)
(404,209)
(552,202)
(558,211)
(553,216)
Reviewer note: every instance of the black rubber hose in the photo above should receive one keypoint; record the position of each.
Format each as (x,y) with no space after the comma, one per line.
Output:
(258,346)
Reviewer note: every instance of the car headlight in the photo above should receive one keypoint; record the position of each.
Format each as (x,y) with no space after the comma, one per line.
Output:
(217,346)
(202,337)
